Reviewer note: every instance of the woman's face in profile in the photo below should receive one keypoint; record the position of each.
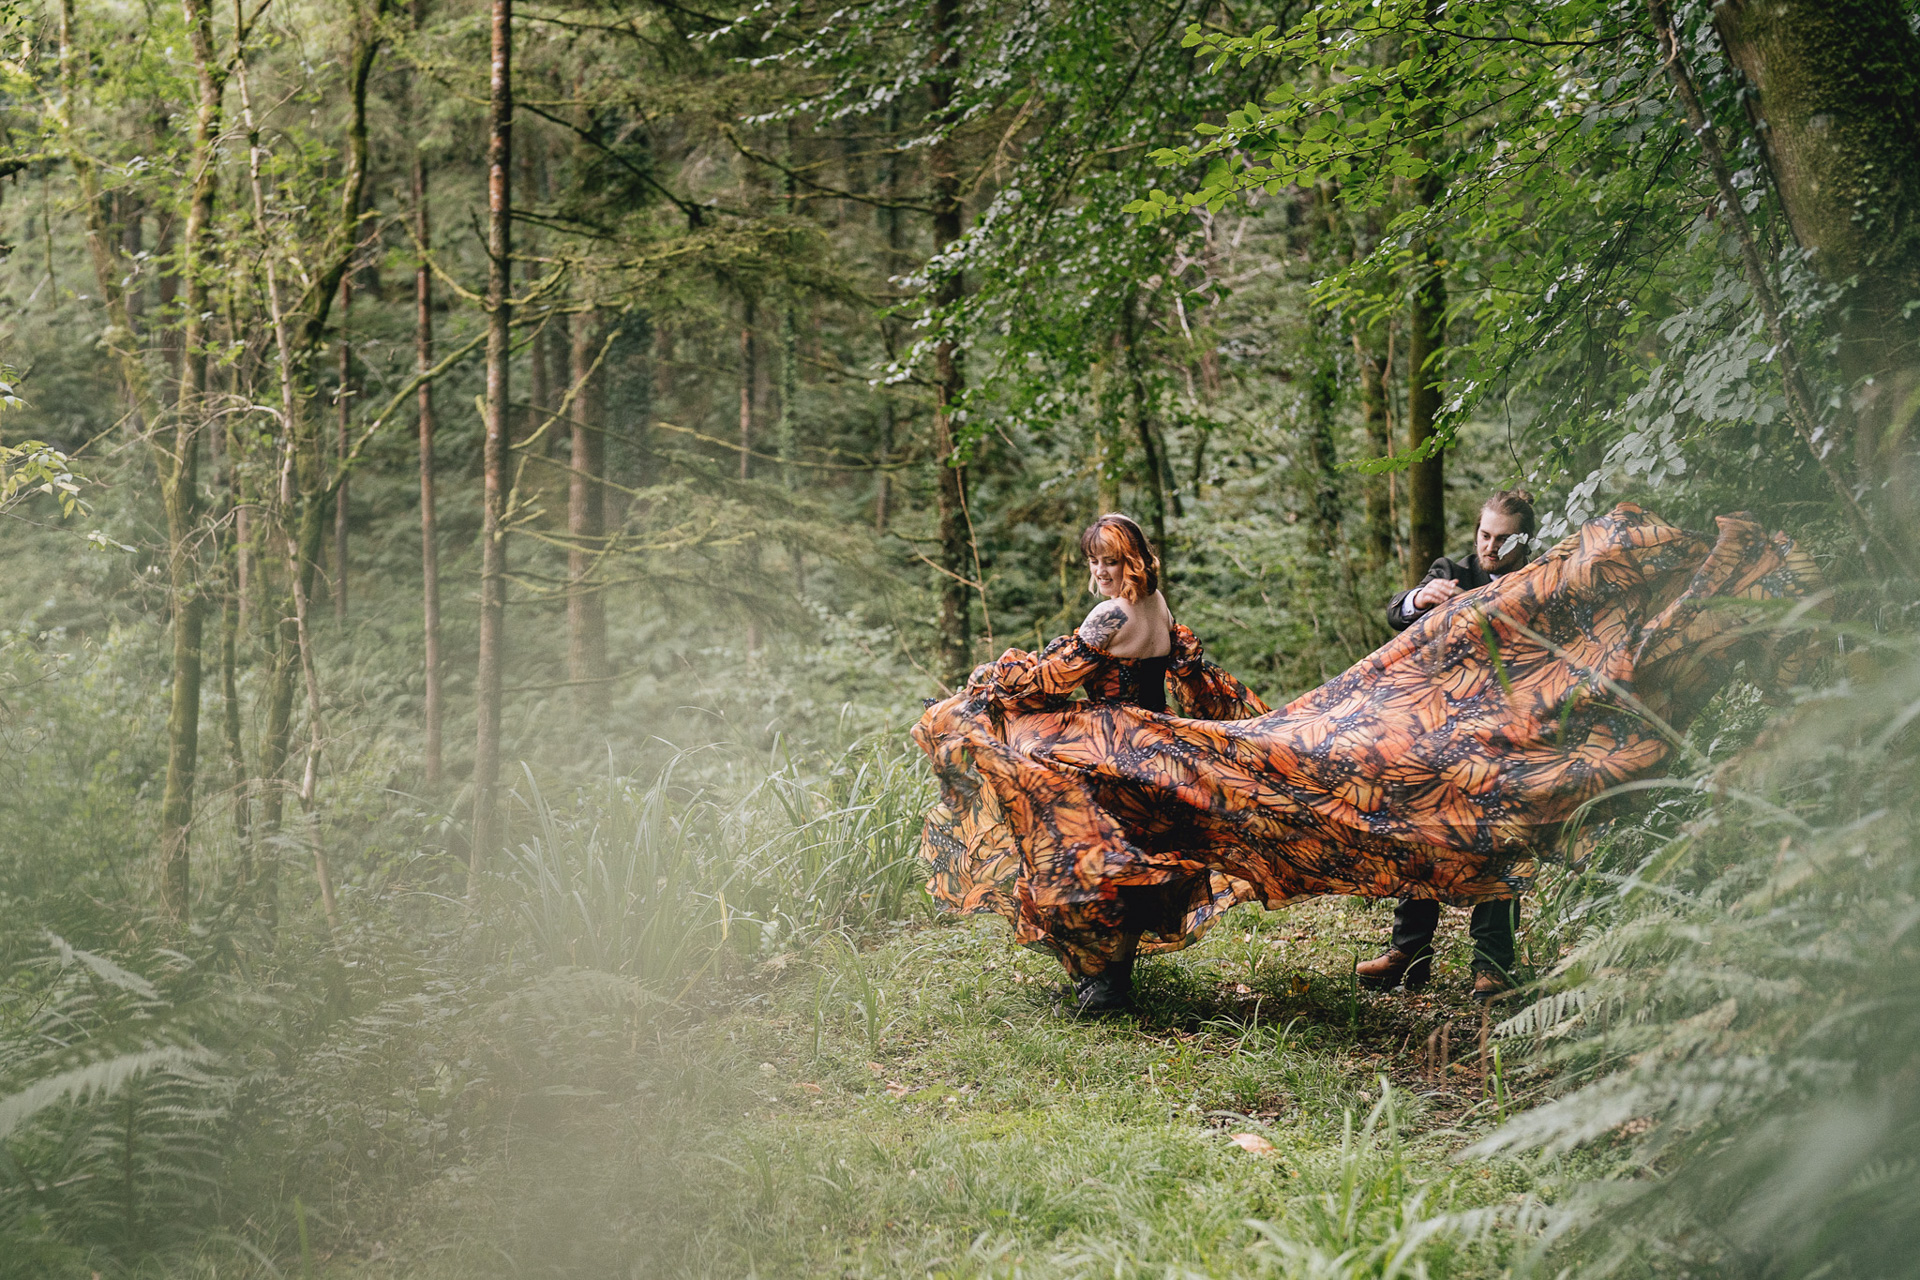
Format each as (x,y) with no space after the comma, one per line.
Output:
(1106,574)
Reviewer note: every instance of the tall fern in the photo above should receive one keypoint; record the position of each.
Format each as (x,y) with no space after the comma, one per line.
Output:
(1743,1041)
(114,1086)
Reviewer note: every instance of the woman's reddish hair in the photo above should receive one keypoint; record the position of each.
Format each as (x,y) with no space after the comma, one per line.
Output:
(1116,535)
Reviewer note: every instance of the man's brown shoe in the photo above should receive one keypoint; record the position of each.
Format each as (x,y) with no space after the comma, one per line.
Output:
(1394,968)
(1488,985)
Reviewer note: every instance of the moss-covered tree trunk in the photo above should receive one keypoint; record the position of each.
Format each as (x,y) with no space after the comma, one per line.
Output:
(1426,478)
(1427,322)
(171,431)
(1835,91)
(1321,461)
(949,374)
(1375,426)
(1153,467)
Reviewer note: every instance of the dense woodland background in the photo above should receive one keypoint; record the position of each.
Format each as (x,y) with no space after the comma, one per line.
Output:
(466,587)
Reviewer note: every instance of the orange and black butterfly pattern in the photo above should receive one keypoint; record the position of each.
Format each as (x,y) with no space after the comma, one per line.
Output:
(1437,767)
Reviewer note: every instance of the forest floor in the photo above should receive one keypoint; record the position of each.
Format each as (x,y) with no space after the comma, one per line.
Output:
(920,1107)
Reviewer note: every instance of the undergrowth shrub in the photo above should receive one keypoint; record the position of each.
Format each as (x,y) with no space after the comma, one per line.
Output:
(659,882)
(245,1094)
(81,753)
(117,1084)
(1741,1040)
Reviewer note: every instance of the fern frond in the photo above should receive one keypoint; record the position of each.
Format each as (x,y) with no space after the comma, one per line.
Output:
(94,1080)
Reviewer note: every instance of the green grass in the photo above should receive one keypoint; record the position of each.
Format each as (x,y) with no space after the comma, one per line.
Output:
(918,1107)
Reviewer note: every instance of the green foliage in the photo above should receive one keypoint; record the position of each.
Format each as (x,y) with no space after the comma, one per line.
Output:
(1594,303)
(1735,1032)
(696,1019)
(80,746)
(115,1095)
(654,882)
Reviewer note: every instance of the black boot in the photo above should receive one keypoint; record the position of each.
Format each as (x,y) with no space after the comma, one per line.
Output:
(1103,994)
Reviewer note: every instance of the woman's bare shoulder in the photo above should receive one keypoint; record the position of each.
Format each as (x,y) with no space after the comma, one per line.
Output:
(1105,621)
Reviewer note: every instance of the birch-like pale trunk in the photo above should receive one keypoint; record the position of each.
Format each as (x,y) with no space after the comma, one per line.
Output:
(493,533)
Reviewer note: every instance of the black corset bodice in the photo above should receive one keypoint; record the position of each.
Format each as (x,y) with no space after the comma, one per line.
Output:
(1141,682)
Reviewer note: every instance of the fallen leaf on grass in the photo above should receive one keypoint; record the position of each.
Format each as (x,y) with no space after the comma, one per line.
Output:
(810,1088)
(897,1090)
(877,1069)
(1253,1144)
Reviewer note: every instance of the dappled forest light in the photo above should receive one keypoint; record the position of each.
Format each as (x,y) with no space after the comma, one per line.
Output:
(490,486)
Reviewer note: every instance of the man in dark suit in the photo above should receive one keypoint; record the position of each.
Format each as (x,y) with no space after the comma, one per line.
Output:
(1506,526)
(1499,546)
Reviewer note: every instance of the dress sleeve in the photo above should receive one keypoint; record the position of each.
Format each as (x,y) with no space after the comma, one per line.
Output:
(1202,690)
(1019,679)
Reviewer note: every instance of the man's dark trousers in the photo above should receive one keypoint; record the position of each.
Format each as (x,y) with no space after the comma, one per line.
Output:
(1491,928)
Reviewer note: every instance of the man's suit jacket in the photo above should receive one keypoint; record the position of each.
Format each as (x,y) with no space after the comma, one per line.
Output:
(1468,573)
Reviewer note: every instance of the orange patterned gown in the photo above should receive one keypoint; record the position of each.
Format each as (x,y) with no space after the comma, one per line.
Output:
(1437,767)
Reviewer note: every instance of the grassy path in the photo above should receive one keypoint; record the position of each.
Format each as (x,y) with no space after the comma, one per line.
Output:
(919,1108)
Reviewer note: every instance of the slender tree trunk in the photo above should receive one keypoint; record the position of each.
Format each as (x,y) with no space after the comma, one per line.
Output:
(173,435)
(1333,245)
(344,424)
(183,715)
(227,461)
(1110,456)
(747,376)
(882,485)
(1834,90)
(1379,444)
(539,355)
(1426,478)
(303,491)
(177,458)
(788,424)
(493,533)
(889,426)
(283,636)
(1138,409)
(1323,476)
(230,721)
(785,428)
(128,222)
(172,341)
(429,531)
(586,524)
(241,375)
(949,375)
(749,379)
(308,552)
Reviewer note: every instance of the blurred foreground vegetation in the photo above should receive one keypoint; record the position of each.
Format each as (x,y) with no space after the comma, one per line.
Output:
(828,332)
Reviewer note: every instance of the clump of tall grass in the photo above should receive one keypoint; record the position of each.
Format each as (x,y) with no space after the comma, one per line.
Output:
(660,882)
(1376,1212)
(1742,1041)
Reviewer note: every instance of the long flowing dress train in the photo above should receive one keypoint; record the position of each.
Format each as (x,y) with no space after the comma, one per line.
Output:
(1436,767)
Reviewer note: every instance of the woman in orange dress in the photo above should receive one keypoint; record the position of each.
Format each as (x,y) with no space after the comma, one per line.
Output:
(1436,767)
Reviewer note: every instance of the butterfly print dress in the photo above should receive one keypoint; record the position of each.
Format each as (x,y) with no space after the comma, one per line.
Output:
(1436,767)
